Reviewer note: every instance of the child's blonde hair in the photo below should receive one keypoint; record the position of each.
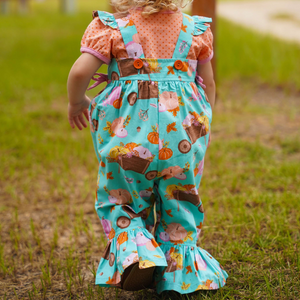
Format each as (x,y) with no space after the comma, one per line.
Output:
(150,6)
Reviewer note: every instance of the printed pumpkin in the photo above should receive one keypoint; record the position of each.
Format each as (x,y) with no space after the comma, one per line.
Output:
(131,146)
(117,150)
(165,153)
(153,138)
(118,103)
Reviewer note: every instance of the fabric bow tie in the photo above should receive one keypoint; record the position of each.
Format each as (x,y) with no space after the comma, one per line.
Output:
(199,80)
(101,78)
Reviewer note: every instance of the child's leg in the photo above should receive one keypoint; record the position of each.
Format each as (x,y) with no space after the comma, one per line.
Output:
(190,268)
(129,241)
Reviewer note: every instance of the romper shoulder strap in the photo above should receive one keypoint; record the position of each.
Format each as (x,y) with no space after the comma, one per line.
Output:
(130,37)
(185,38)
(128,31)
(191,26)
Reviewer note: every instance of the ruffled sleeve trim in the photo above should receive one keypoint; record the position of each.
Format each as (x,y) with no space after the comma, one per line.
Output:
(106,18)
(95,53)
(201,24)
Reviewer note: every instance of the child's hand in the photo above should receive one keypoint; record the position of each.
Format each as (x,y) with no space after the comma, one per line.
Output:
(76,112)
(78,81)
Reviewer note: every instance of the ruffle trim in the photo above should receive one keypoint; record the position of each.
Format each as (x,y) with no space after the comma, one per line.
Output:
(106,18)
(190,268)
(201,24)
(125,249)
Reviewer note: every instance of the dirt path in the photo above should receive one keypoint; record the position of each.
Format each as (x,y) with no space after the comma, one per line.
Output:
(280,18)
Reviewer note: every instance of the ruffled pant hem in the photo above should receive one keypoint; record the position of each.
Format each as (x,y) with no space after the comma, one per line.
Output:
(125,249)
(190,268)
(184,289)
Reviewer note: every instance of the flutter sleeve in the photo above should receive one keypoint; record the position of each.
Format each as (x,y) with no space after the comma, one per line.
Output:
(207,51)
(97,39)
(205,37)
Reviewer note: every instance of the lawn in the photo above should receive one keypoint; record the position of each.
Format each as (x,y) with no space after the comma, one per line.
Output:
(51,240)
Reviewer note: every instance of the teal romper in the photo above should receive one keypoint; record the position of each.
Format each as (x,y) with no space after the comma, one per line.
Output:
(150,127)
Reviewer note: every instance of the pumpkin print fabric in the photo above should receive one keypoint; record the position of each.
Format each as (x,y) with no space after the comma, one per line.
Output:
(150,127)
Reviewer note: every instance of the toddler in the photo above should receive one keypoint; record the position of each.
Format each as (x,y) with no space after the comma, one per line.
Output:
(150,128)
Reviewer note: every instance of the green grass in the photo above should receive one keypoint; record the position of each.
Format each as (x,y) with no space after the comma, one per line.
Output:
(247,55)
(50,237)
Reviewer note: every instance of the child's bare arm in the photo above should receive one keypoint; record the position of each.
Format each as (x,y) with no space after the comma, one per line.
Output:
(80,75)
(206,72)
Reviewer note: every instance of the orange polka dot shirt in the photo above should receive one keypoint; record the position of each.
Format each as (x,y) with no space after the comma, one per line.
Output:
(158,35)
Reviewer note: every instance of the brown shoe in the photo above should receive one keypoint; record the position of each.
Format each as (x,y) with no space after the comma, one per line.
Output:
(135,279)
